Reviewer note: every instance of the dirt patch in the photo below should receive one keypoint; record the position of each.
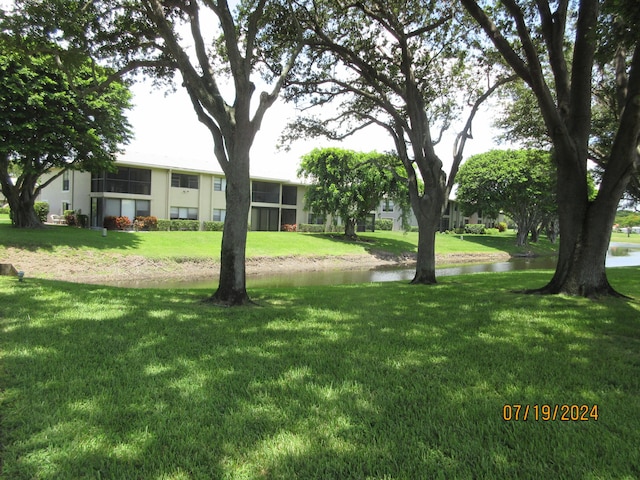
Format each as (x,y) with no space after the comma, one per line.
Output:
(96,267)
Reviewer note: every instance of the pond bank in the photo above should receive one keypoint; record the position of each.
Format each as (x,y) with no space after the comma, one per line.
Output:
(98,268)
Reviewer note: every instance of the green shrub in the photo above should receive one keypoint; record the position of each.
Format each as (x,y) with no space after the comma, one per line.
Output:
(212,226)
(474,228)
(42,210)
(310,228)
(5,210)
(164,225)
(491,231)
(185,225)
(384,224)
(502,227)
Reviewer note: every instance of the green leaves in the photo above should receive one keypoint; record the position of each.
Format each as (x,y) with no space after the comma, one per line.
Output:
(350,184)
(519,182)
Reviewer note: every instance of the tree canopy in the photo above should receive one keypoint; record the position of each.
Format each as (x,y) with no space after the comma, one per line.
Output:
(55,117)
(521,183)
(351,184)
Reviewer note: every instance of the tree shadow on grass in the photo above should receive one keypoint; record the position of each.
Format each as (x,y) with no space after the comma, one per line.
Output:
(341,382)
(50,237)
(380,247)
(508,244)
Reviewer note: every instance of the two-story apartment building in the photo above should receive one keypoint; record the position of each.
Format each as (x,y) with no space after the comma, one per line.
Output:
(451,220)
(171,193)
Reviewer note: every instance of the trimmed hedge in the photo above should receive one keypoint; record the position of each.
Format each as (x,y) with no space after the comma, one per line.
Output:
(212,226)
(474,228)
(310,228)
(384,224)
(179,225)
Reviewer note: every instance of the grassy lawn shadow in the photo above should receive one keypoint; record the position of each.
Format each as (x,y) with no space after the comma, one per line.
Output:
(353,381)
(379,246)
(51,237)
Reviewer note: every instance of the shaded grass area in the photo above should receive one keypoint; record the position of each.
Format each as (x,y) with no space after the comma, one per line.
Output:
(356,381)
(66,241)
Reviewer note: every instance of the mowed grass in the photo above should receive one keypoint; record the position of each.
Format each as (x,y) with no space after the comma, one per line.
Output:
(61,240)
(378,381)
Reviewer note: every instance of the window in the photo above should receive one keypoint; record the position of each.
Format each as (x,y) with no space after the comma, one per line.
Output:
(116,207)
(219,184)
(219,215)
(125,180)
(65,181)
(184,180)
(184,213)
(289,195)
(387,205)
(265,192)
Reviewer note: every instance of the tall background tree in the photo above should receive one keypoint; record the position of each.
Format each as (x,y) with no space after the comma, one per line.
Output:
(56,116)
(399,66)
(562,37)
(351,184)
(220,52)
(521,183)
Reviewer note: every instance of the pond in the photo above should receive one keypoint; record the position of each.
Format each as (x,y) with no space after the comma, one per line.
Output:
(619,255)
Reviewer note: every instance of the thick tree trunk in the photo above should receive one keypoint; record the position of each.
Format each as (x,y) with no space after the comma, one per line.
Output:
(521,235)
(350,228)
(581,266)
(232,288)
(426,259)
(428,213)
(585,231)
(21,205)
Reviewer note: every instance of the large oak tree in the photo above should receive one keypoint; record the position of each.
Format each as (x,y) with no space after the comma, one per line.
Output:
(220,51)
(550,36)
(399,66)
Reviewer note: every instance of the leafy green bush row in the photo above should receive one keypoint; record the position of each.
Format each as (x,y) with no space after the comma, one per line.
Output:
(310,228)
(384,224)
(212,226)
(179,225)
(5,210)
(474,228)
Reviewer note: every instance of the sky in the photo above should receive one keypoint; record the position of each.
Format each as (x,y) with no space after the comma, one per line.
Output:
(167,132)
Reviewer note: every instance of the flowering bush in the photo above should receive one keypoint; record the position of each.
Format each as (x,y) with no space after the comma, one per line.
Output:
(122,223)
(116,223)
(145,223)
(289,228)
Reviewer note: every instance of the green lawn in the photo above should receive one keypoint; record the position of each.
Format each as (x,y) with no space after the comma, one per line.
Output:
(384,381)
(624,238)
(66,241)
